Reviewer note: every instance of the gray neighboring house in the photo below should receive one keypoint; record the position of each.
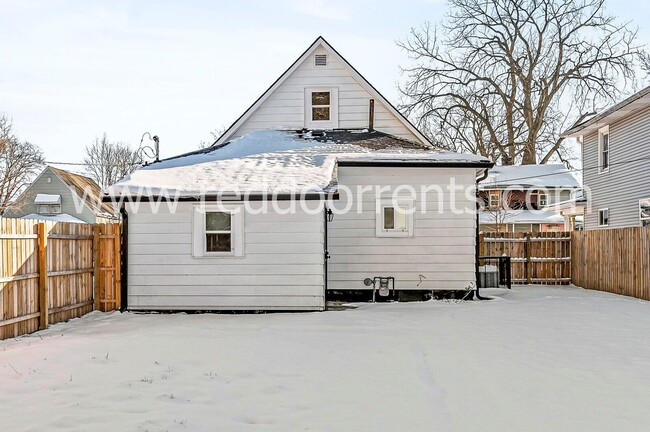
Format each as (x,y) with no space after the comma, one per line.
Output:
(615,157)
(60,195)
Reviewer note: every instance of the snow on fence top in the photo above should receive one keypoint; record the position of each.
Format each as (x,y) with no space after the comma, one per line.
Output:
(274,161)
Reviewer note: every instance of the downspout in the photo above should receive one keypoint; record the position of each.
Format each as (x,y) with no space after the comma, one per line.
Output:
(326,255)
(125,258)
(478,236)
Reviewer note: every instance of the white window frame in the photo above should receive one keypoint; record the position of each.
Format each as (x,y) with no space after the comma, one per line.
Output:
(542,196)
(333,122)
(407,204)
(601,133)
(644,221)
(497,205)
(600,212)
(236,230)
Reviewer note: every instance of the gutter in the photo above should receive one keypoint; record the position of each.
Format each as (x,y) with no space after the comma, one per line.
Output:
(413,164)
(225,198)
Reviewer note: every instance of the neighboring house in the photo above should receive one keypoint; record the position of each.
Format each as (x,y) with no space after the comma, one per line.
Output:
(521,198)
(59,195)
(615,157)
(227,231)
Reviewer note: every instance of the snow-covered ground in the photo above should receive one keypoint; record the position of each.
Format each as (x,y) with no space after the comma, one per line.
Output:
(534,359)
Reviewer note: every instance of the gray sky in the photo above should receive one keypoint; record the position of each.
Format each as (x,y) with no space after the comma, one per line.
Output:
(72,70)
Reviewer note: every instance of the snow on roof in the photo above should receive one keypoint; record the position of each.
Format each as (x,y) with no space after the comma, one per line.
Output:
(521,216)
(63,217)
(530,176)
(272,161)
(47,199)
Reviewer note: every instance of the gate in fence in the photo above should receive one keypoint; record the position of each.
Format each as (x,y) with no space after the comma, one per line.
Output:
(536,258)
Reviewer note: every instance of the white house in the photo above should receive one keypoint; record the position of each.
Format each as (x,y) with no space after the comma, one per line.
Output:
(320,186)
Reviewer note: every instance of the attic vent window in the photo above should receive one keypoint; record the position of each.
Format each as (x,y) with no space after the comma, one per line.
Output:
(320,60)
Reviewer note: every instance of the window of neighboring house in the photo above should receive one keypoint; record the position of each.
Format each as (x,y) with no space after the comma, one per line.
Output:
(321,108)
(395,218)
(603,217)
(644,211)
(494,201)
(603,149)
(49,209)
(542,200)
(218,231)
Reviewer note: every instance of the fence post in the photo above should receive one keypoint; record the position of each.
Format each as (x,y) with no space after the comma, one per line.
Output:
(43,304)
(96,268)
(528,247)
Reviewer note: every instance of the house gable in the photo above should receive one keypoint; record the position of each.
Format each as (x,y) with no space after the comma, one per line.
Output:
(321,68)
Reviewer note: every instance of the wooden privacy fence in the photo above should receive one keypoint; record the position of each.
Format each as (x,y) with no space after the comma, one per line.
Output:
(54,271)
(536,258)
(613,260)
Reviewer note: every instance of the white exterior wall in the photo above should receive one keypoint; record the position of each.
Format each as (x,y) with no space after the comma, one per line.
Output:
(282,267)
(285,107)
(442,248)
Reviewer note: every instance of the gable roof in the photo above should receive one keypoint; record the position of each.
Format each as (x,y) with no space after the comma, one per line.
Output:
(85,188)
(616,112)
(363,82)
(530,176)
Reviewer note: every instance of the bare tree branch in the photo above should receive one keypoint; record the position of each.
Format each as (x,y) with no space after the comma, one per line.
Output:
(20,161)
(509,73)
(108,162)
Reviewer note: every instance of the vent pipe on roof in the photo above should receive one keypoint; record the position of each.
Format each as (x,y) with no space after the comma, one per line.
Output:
(371,115)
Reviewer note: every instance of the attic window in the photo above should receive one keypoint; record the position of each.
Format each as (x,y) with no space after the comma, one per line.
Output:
(320,106)
(320,60)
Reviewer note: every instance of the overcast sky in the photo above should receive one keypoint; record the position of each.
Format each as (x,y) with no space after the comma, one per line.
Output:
(72,70)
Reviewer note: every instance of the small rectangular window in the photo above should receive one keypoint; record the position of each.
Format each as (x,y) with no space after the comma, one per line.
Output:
(320,106)
(395,218)
(603,149)
(644,211)
(49,209)
(218,231)
(603,217)
(542,200)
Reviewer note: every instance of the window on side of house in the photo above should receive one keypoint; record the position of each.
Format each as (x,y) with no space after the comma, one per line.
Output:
(603,217)
(218,231)
(395,218)
(542,200)
(603,149)
(644,211)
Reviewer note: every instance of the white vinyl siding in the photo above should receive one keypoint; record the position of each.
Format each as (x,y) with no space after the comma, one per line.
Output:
(281,267)
(285,107)
(442,248)
(625,183)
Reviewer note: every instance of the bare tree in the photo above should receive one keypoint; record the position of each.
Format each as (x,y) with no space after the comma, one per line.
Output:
(214,136)
(20,161)
(108,162)
(502,78)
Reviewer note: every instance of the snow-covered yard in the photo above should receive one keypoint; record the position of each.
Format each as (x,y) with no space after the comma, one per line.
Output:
(534,359)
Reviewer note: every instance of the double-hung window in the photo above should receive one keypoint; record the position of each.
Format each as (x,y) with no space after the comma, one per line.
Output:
(495,198)
(218,231)
(321,108)
(603,217)
(603,149)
